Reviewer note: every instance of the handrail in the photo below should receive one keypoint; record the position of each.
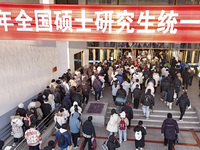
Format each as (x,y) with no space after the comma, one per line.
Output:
(45,122)
(4,132)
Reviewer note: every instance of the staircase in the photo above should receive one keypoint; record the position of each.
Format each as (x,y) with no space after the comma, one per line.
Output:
(190,120)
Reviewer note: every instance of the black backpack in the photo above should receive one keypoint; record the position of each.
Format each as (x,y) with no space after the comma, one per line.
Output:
(61,139)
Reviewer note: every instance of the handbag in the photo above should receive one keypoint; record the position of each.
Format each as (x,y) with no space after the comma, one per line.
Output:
(94,144)
(176,139)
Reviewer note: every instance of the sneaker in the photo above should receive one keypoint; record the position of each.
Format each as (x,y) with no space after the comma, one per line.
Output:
(147,118)
(161,99)
(14,144)
(101,96)
(181,120)
(165,146)
(98,100)
(76,147)
(186,90)
(78,138)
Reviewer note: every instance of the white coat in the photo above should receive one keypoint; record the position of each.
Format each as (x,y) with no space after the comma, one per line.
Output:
(115,89)
(134,86)
(126,87)
(112,125)
(60,118)
(16,123)
(72,108)
(156,77)
(51,101)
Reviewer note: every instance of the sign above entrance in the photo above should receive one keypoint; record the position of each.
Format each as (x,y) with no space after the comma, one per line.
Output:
(114,23)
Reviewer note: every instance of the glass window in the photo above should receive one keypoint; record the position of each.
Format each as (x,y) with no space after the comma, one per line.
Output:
(127,2)
(93,1)
(104,54)
(112,44)
(164,2)
(90,54)
(189,56)
(113,2)
(111,53)
(97,53)
(196,57)
(146,2)
(176,45)
(77,60)
(184,2)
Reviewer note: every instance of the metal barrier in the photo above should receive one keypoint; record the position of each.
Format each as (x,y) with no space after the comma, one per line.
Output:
(5,132)
(40,127)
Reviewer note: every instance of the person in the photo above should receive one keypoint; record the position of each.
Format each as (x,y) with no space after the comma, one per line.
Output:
(1,144)
(59,119)
(88,132)
(168,130)
(53,85)
(129,113)
(75,105)
(50,146)
(46,108)
(33,137)
(112,125)
(185,76)
(192,73)
(140,141)
(165,83)
(170,95)
(17,131)
(66,144)
(147,101)
(136,96)
(29,119)
(97,88)
(115,87)
(112,143)
(21,110)
(123,123)
(177,84)
(183,101)
(120,99)
(74,124)
(86,92)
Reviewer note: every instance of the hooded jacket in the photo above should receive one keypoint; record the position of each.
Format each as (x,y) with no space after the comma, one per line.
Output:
(67,138)
(72,108)
(21,110)
(46,108)
(183,100)
(112,143)
(88,129)
(115,88)
(112,125)
(74,123)
(16,123)
(170,94)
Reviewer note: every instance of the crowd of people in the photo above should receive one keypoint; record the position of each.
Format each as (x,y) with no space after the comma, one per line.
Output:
(69,94)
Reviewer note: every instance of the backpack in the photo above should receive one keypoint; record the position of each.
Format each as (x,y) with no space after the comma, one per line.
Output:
(104,146)
(15,128)
(95,85)
(85,89)
(27,120)
(138,135)
(61,139)
(122,124)
(147,98)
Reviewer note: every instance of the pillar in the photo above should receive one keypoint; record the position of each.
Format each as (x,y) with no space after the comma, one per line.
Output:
(94,54)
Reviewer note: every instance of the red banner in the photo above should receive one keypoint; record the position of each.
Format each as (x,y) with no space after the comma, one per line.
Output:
(114,23)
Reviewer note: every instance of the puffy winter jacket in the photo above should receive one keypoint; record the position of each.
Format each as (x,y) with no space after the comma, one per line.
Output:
(16,123)
(112,125)
(112,143)
(74,123)
(183,100)
(169,128)
(88,129)
(147,99)
(67,138)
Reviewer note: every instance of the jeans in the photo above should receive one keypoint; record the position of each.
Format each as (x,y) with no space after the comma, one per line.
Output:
(182,110)
(74,138)
(64,148)
(97,95)
(89,143)
(34,147)
(145,110)
(170,143)
(111,133)
(119,109)
(120,135)
(87,98)
(164,95)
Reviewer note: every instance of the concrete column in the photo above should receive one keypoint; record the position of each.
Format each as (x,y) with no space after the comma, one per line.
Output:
(94,56)
(46,1)
(101,55)
(186,52)
(86,52)
(193,54)
(82,2)
(108,54)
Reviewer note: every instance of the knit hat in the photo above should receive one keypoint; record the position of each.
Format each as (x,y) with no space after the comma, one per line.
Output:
(21,105)
(123,114)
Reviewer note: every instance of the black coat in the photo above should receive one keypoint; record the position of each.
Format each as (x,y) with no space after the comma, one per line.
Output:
(88,128)
(170,94)
(128,110)
(185,76)
(177,84)
(121,93)
(169,128)
(141,142)
(183,101)
(165,83)
(46,109)
(147,99)
(137,93)
(112,143)
(21,111)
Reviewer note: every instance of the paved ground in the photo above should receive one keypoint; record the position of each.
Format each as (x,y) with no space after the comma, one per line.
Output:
(189,139)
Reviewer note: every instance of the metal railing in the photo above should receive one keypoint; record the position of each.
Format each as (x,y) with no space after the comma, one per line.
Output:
(40,127)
